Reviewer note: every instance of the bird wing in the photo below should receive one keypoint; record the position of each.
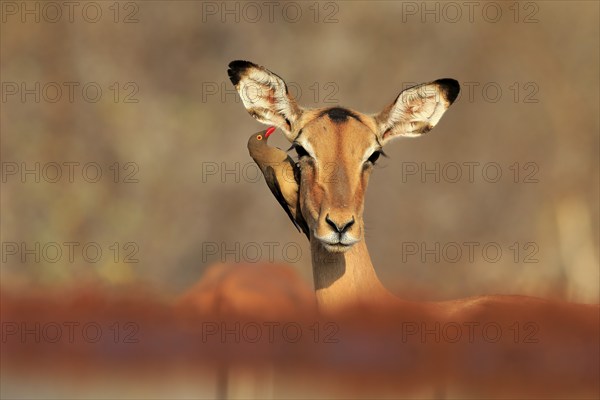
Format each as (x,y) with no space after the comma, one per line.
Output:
(271,180)
(299,217)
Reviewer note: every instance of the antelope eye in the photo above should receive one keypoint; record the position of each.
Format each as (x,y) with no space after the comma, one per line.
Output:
(301,152)
(374,157)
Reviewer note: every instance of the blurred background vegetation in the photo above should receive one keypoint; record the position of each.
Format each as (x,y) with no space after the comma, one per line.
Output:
(168,107)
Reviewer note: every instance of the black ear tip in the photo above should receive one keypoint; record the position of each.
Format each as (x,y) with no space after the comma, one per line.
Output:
(451,88)
(241,64)
(237,69)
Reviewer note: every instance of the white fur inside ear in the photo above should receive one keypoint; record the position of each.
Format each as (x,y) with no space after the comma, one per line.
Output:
(265,96)
(416,111)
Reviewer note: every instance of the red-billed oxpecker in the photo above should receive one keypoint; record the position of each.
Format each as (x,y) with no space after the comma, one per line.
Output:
(281,174)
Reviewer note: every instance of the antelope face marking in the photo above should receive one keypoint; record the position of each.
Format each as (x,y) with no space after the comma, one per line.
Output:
(336,151)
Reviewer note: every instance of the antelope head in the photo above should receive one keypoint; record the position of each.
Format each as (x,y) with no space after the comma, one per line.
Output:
(337,147)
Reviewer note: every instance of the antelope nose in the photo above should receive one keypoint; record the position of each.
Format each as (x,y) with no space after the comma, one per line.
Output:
(339,227)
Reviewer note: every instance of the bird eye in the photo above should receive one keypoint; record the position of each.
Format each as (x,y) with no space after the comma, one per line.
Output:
(300,151)
(374,157)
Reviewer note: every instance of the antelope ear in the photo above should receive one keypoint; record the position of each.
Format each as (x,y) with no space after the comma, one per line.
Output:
(265,96)
(416,110)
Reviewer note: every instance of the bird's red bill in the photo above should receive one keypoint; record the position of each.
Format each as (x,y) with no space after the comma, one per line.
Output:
(269,131)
